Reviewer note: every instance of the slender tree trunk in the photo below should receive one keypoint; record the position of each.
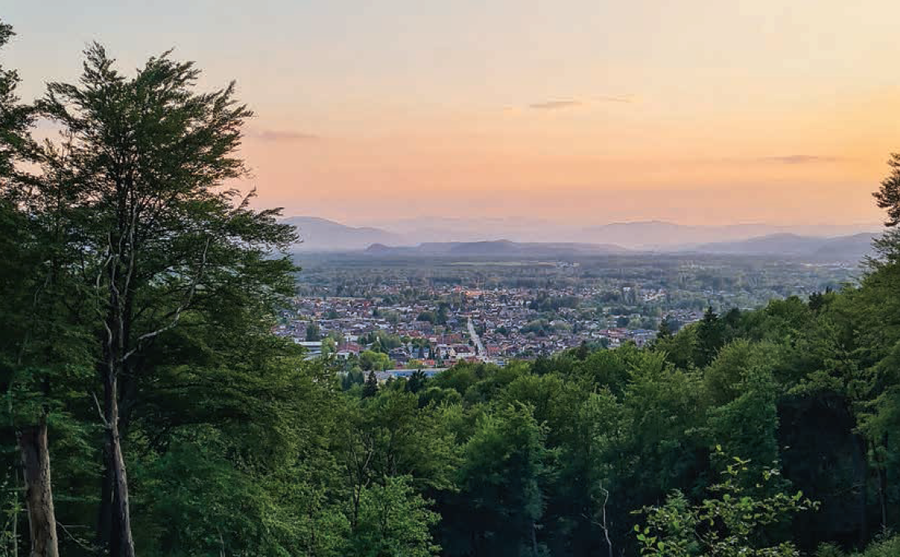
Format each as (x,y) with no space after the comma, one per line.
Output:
(38,493)
(117,325)
(121,543)
(603,523)
(105,515)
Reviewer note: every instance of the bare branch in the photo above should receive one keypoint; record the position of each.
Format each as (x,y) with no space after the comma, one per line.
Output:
(185,305)
(602,523)
(103,419)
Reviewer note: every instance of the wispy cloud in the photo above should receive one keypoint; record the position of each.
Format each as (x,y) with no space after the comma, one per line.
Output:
(799,159)
(555,105)
(787,160)
(561,104)
(624,100)
(282,136)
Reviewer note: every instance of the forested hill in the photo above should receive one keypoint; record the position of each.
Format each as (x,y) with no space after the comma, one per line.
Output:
(149,410)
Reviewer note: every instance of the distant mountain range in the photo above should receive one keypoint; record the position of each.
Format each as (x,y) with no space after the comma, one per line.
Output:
(465,237)
(497,248)
(651,234)
(659,235)
(841,248)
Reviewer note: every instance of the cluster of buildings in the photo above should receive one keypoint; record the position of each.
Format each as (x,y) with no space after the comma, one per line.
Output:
(445,326)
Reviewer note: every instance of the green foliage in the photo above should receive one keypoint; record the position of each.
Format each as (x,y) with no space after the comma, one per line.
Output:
(710,338)
(418,380)
(884,548)
(666,408)
(370,387)
(10,507)
(15,118)
(393,520)
(888,196)
(607,368)
(680,349)
(733,523)
(506,467)
(370,360)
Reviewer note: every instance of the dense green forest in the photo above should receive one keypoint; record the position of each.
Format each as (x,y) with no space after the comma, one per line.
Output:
(147,408)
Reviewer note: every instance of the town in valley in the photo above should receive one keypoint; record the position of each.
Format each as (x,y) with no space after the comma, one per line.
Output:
(394,315)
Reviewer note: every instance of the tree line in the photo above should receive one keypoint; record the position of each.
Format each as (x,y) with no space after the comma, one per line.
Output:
(148,409)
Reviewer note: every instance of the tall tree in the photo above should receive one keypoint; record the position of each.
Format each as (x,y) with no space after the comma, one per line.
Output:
(710,337)
(370,388)
(161,235)
(23,281)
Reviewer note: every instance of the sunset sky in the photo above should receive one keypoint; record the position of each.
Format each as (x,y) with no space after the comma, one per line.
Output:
(574,111)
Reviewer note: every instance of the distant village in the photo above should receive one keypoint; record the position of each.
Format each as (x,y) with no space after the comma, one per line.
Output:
(455,324)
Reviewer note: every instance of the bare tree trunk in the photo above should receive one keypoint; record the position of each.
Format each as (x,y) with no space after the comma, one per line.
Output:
(107,481)
(117,325)
(603,523)
(38,493)
(121,543)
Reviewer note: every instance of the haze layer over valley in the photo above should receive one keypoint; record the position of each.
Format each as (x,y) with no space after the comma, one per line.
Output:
(522,236)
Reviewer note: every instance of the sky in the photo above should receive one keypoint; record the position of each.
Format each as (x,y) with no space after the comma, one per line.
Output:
(573,111)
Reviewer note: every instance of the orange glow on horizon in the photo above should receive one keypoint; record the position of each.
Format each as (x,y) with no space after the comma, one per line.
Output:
(583,110)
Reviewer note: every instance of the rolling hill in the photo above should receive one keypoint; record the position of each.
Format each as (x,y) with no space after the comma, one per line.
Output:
(841,248)
(816,243)
(496,248)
